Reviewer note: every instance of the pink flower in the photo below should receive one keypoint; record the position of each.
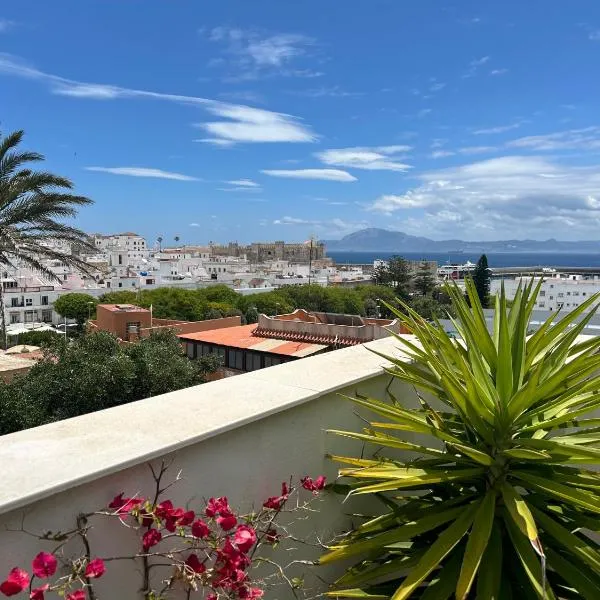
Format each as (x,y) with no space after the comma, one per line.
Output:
(227,521)
(313,486)
(15,583)
(164,509)
(38,593)
(193,562)
(186,519)
(217,506)
(212,597)
(200,529)
(244,538)
(44,565)
(124,505)
(246,592)
(76,595)
(95,568)
(151,538)
(276,502)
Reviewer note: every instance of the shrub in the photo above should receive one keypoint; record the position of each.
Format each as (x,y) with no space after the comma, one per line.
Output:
(495,500)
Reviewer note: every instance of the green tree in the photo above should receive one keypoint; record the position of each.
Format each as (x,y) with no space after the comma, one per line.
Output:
(498,496)
(95,372)
(482,279)
(76,306)
(251,315)
(38,338)
(424,281)
(395,274)
(33,205)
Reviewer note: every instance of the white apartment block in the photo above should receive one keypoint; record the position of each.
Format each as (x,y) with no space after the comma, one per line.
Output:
(557,292)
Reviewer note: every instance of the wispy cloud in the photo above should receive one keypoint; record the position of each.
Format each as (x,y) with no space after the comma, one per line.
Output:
(442,153)
(143,172)
(194,225)
(239,123)
(324,174)
(323,91)
(594,35)
(254,54)
(474,66)
(331,227)
(498,129)
(5,25)
(498,71)
(509,197)
(424,112)
(247,183)
(477,149)
(377,158)
(587,138)
(244,96)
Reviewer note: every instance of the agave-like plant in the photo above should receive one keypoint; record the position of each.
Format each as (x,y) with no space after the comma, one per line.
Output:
(498,498)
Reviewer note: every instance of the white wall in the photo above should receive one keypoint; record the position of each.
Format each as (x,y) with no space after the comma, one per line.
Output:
(238,437)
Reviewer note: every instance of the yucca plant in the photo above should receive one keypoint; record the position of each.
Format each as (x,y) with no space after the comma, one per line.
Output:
(498,498)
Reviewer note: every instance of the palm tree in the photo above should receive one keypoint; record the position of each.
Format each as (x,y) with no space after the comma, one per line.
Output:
(159,240)
(176,238)
(32,205)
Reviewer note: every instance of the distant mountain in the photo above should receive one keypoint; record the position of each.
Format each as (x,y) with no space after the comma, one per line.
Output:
(384,240)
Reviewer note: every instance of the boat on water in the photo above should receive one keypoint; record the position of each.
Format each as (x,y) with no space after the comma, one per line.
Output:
(455,271)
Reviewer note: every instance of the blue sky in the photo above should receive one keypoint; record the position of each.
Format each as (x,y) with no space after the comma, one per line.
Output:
(244,120)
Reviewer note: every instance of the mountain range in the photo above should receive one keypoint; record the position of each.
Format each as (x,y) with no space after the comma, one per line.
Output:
(384,240)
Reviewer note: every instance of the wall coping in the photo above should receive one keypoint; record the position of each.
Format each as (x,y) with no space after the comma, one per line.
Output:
(43,461)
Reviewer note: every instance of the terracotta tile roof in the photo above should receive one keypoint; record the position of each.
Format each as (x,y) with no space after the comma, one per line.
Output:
(313,338)
(243,337)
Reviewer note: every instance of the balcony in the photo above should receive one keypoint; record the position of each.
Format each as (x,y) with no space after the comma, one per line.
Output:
(237,437)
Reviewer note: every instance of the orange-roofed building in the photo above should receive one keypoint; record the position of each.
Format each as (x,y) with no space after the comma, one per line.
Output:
(278,339)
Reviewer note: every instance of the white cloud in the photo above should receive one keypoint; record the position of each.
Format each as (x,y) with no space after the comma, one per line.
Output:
(480,61)
(498,129)
(143,172)
(587,138)
(498,71)
(438,143)
(254,54)
(324,174)
(332,92)
(216,142)
(423,112)
(332,227)
(243,183)
(442,153)
(194,225)
(239,123)
(594,35)
(508,197)
(371,158)
(477,149)
(436,87)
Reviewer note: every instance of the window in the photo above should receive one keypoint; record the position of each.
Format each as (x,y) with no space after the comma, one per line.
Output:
(253,361)
(541,304)
(65,277)
(14,302)
(120,259)
(133,283)
(44,300)
(271,361)
(120,284)
(235,359)
(47,316)
(542,293)
(191,350)
(568,293)
(28,301)
(551,285)
(14,317)
(561,295)
(583,293)
(108,284)
(551,297)
(149,281)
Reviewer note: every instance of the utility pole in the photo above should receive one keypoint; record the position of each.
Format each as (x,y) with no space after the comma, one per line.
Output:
(310,259)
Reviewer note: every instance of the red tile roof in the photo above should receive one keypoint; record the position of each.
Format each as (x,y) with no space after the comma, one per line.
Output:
(243,337)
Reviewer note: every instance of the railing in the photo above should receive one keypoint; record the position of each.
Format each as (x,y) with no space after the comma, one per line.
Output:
(237,437)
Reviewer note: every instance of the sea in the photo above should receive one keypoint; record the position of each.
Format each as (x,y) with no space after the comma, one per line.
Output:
(507,259)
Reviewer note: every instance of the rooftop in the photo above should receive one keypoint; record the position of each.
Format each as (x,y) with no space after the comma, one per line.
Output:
(244,337)
(123,308)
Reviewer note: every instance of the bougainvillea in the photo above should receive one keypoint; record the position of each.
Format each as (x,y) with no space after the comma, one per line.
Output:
(212,555)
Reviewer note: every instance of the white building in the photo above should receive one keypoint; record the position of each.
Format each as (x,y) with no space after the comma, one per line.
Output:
(564,292)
